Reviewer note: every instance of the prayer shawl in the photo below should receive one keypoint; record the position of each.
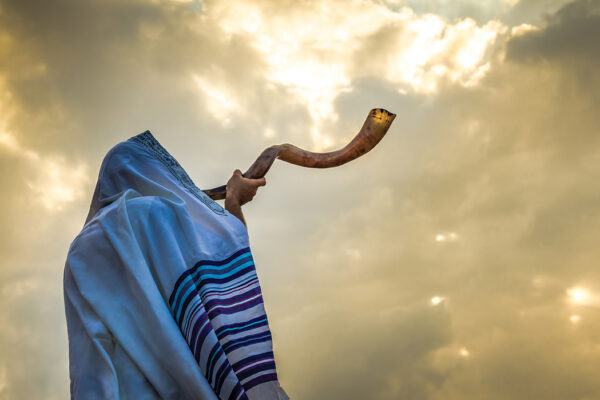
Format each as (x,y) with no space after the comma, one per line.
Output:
(161,294)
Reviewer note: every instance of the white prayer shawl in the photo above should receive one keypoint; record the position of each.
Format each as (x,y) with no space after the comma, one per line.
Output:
(161,294)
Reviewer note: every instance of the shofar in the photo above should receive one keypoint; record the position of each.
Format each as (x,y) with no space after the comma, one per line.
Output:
(373,130)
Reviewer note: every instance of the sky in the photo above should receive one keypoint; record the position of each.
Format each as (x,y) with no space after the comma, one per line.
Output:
(457,260)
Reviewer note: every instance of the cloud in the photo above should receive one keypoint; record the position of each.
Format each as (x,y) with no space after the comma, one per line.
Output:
(482,11)
(493,152)
(569,37)
(533,12)
(508,166)
(53,182)
(413,52)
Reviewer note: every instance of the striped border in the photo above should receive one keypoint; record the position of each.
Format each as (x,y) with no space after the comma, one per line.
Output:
(219,309)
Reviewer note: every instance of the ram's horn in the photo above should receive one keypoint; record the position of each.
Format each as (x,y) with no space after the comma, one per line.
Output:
(373,130)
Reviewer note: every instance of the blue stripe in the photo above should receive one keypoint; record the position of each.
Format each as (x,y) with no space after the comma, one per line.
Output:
(190,271)
(190,277)
(193,287)
(234,344)
(236,392)
(221,375)
(256,369)
(197,301)
(250,359)
(260,379)
(234,310)
(216,350)
(242,327)
(230,301)
(208,290)
(229,273)
(229,287)
(242,274)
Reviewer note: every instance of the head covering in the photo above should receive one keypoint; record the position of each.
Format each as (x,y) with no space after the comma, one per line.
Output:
(161,293)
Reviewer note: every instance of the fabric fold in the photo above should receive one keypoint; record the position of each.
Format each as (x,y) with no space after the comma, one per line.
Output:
(162,297)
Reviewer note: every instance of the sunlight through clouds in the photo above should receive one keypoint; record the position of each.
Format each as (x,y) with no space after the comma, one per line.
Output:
(457,256)
(54,183)
(58,183)
(582,296)
(220,102)
(430,50)
(574,319)
(578,295)
(522,29)
(446,237)
(422,51)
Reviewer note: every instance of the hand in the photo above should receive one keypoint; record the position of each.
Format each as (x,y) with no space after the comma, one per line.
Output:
(241,190)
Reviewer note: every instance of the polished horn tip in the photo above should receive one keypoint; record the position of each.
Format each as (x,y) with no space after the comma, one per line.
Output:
(381,116)
(381,112)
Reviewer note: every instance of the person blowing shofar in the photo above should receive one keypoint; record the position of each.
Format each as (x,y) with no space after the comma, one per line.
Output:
(162,298)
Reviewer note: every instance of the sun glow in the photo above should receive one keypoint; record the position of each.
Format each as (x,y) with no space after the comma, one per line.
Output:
(434,50)
(436,300)
(578,295)
(446,237)
(574,319)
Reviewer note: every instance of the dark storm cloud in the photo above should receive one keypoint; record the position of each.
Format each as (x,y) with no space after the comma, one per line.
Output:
(571,36)
(533,12)
(481,11)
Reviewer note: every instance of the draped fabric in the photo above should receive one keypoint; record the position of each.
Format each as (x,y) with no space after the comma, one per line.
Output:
(161,293)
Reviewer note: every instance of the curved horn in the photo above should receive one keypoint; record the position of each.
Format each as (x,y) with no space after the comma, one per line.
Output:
(373,130)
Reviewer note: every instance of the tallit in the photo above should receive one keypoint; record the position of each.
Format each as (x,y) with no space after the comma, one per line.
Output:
(161,294)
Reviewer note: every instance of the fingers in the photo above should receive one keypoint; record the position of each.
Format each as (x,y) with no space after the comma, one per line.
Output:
(255,182)
(242,190)
(259,182)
